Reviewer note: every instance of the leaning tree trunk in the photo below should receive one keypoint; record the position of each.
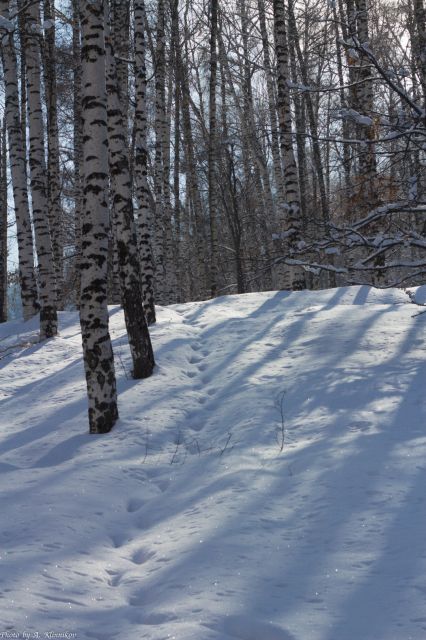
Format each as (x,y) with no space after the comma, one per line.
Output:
(97,348)
(124,229)
(145,219)
(292,228)
(18,173)
(47,284)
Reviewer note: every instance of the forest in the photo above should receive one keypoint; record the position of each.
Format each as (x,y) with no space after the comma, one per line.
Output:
(212,319)
(160,152)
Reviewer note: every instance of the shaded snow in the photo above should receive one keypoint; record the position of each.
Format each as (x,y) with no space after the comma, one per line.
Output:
(187,521)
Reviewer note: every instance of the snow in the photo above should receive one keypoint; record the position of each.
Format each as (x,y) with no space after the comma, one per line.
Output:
(6,25)
(188,521)
(351,114)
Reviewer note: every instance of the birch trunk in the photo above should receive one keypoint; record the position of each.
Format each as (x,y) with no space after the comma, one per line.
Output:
(18,172)
(78,144)
(160,214)
(124,229)
(212,152)
(97,348)
(120,26)
(292,223)
(3,226)
(419,43)
(276,157)
(53,172)
(47,284)
(145,219)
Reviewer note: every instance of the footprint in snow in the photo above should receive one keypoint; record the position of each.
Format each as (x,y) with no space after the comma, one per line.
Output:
(114,577)
(140,556)
(134,504)
(119,539)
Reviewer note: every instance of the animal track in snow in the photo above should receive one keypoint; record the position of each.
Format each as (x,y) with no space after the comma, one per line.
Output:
(142,555)
(134,504)
(119,539)
(114,577)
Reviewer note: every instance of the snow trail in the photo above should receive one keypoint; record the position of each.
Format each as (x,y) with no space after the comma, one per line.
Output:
(187,521)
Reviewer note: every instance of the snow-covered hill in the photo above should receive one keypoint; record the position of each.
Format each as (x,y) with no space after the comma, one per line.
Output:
(267,483)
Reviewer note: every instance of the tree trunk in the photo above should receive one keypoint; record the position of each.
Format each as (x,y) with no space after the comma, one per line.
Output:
(145,218)
(212,152)
(124,228)
(78,145)
(160,109)
(56,221)
(97,348)
(292,223)
(47,283)
(276,157)
(18,172)
(3,226)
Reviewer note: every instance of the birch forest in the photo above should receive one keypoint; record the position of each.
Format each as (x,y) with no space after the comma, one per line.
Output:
(155,152)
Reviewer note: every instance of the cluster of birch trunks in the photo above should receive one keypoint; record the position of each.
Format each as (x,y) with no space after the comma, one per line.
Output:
(159,151)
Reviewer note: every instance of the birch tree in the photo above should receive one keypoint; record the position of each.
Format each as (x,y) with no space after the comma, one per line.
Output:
(17,161)
(3,226)
(145,219)
(56,221)
(212,151)
(292,223)
(38,175)
(124,227)
(97,348)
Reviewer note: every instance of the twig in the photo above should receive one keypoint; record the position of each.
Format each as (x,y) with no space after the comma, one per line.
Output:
(281,431)
(222,451)
(178,443)
(122,364)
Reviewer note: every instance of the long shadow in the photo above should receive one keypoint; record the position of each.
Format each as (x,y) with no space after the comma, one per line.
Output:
(327,495)
(327,489)
(364,460)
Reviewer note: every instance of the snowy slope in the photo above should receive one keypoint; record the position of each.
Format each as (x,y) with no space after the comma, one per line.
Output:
(188,521)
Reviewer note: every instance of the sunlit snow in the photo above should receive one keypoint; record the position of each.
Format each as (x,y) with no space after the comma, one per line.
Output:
(267,483)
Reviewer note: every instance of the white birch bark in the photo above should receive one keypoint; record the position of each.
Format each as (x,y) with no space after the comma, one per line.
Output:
(276,157)
(97,348)
(124,228)
(145,218)
(78,144)
(38,174)
(3,226)
(212,152)
(18,172)
(160,214)
(53,172)
(291,229)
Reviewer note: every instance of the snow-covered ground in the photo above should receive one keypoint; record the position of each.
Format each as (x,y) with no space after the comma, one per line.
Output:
(267,483)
